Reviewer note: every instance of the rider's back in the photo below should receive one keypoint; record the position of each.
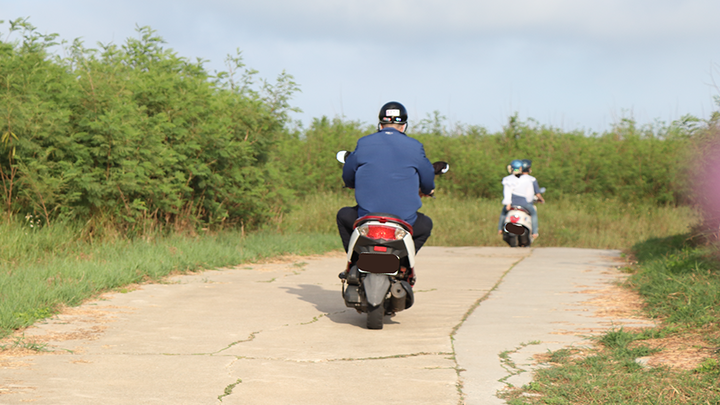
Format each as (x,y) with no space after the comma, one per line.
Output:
(387,169)
(525,190)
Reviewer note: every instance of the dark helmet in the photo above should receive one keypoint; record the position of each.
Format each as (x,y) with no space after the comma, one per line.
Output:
(515,167)
(393,113)
(526,165)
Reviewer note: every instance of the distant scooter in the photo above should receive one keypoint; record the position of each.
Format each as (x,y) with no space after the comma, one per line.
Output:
(380,268)
(517,229)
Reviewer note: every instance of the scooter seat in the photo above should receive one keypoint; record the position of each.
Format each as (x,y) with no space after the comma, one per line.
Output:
(383,218)
(519,208)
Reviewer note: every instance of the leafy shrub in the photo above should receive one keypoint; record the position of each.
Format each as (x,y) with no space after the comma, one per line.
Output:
(136,136)
(134,133)
(627,163)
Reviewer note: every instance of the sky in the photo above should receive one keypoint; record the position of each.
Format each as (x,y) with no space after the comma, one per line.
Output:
(570,64)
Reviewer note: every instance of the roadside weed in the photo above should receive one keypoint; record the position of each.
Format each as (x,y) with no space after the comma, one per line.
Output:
(20,342)
(679,282)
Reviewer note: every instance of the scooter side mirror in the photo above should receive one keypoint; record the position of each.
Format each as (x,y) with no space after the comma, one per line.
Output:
(441,167)
(341,156)
(542,190)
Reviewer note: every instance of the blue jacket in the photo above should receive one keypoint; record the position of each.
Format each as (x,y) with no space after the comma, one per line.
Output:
(387,169)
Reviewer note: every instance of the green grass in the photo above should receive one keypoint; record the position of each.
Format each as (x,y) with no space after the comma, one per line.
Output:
(610,375)
(679,281)
(19,342)
(44,269)
(585,222)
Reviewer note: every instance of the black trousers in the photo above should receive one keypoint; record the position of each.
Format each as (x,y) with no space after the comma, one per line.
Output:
(347,216)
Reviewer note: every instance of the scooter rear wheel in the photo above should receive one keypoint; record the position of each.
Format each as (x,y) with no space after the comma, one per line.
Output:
(510,239)
(375,316)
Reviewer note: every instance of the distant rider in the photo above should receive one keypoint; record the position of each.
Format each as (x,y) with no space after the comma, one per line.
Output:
(386,170)
(515,170)
(524,194)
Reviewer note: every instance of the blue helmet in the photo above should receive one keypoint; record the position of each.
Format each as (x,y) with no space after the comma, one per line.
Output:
(515,167)
(526,165)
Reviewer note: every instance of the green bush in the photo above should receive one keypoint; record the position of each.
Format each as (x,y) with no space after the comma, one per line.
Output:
(309,155)
(135,136)
(134,133)
(627,163)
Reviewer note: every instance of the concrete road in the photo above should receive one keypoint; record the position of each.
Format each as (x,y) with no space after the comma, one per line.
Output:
(280,334)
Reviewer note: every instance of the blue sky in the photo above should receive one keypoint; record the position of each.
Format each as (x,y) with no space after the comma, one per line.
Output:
(566,63)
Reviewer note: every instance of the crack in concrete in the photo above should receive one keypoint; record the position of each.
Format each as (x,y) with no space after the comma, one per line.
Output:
(228,390)
(317,317)
(395,356)
(347,359)
(509,365)
(459,385)
(249,339)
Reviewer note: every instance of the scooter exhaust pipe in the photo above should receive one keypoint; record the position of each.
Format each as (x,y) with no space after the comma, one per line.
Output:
(399,295)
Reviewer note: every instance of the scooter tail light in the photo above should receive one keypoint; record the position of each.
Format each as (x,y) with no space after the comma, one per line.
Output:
(381,232)
(514,219)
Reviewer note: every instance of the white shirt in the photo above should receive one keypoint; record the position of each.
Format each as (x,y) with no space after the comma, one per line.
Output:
(526,187)
(508,183)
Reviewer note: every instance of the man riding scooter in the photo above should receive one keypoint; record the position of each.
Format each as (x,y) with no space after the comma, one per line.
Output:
(386,170)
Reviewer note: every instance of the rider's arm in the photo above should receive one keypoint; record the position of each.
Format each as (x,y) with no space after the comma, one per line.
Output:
(507,193)
(507,197)
(426,172)
(349,169)
(536,190)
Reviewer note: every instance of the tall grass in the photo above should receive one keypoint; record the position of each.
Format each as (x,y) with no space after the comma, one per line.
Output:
(43,269)
(582,221)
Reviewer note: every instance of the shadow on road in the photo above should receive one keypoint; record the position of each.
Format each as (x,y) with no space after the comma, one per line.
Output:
(331,304)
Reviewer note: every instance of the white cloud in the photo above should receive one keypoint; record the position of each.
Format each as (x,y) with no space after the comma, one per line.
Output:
(475,61)
(457,19)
